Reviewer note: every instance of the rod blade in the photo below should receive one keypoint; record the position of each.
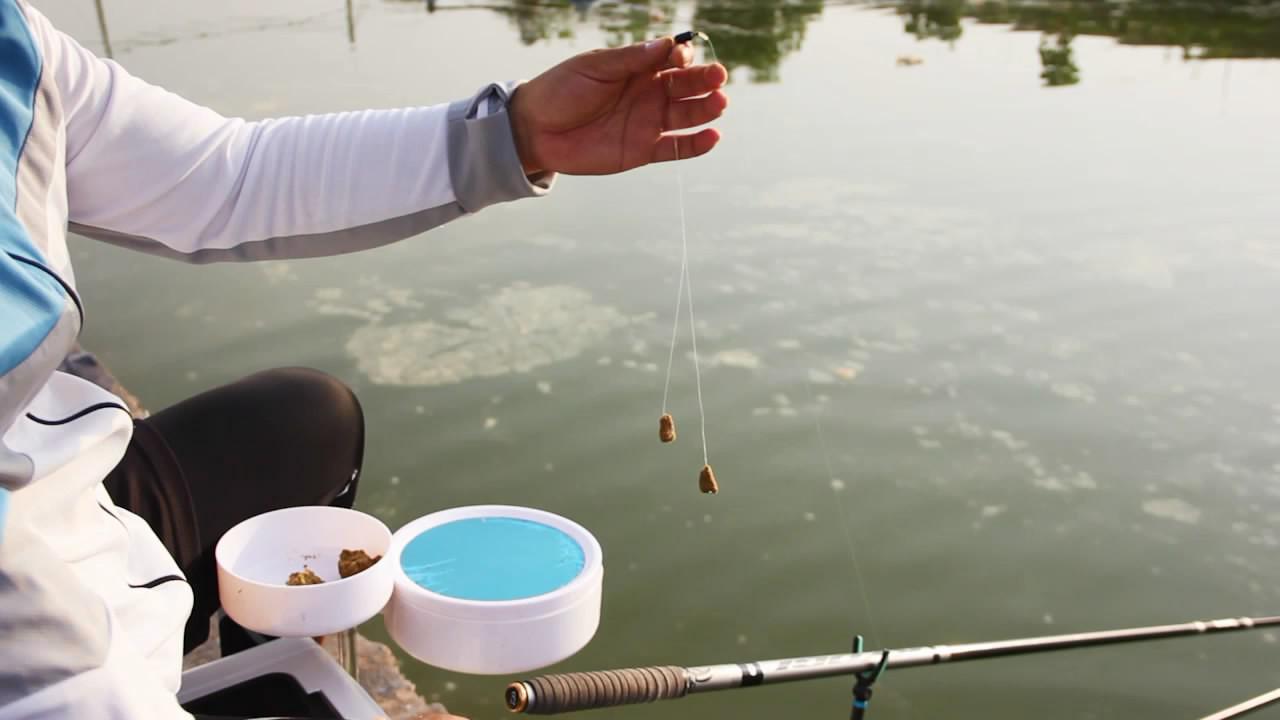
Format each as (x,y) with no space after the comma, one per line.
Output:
(1246,707)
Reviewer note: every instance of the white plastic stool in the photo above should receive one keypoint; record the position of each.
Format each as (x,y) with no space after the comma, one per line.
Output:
(302,658)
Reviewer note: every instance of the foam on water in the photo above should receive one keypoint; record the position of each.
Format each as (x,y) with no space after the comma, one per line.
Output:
(516,329)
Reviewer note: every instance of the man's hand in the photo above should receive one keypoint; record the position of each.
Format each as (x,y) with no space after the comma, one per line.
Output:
(607,111)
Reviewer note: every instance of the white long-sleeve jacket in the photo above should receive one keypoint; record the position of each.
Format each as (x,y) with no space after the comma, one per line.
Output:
(92,607)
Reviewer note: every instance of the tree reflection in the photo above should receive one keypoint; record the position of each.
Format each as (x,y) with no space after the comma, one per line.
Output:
(534,20)
(938,19)
(635,21)
(537,20)
(1201,28)
(755,34)
(1058,66)
(759,34)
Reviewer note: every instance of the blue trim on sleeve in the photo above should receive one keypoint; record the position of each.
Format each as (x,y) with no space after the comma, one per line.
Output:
(32,299)
(19,77)
(4,510)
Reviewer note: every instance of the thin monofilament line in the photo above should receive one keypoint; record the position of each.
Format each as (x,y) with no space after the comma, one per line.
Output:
(675,329)
(874,633)
(710,46)
(687,282)
(693,330)
(684,264)
(693,339)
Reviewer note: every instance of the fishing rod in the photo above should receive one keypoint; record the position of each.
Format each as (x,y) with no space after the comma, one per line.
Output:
(568,692)
(1246,707)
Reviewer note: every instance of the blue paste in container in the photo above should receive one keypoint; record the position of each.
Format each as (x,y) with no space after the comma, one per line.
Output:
(492,558)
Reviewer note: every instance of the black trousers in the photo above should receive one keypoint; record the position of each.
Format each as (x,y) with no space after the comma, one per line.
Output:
(276,439)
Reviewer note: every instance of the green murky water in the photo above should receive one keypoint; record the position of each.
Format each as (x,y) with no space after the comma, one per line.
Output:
(1037,324)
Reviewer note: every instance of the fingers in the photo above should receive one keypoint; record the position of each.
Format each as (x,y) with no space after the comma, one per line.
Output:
(681,56)
(621,63)
(692,113)
(694,81)
(689,146)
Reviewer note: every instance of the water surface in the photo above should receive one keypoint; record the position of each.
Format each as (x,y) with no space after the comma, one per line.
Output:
(1028,297)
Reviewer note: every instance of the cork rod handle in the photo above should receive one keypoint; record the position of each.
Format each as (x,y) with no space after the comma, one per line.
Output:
(552,694)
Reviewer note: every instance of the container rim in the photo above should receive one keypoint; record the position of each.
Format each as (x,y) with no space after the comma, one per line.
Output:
(567,594)
(222,562)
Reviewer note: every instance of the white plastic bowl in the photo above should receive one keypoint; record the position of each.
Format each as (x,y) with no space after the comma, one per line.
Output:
(495,637)
(256,557)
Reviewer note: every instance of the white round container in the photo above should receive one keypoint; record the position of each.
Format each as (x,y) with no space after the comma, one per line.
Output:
(256,557)
(495,637)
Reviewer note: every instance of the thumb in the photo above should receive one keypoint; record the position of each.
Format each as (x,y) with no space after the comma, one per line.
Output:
(621,63)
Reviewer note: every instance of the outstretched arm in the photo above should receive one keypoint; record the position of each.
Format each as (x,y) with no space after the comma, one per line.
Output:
(153,171)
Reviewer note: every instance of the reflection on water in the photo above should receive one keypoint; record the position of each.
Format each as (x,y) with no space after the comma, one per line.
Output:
(632,21)
(1218,29)
(758,34)
(1202,28)
(224,27)
(535,20)
(926,20)
(1055,57)
(755,34)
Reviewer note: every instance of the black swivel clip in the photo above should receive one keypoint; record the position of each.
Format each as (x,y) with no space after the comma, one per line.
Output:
(866,678)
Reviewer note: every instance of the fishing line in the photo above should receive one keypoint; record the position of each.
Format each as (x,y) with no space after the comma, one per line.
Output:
(675,326)
(666,424)
(844,516)
(688,283)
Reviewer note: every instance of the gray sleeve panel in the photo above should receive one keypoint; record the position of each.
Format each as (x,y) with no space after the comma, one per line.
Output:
(16,469)
(19,386)
(484,166)
(51,628)
(337,242)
